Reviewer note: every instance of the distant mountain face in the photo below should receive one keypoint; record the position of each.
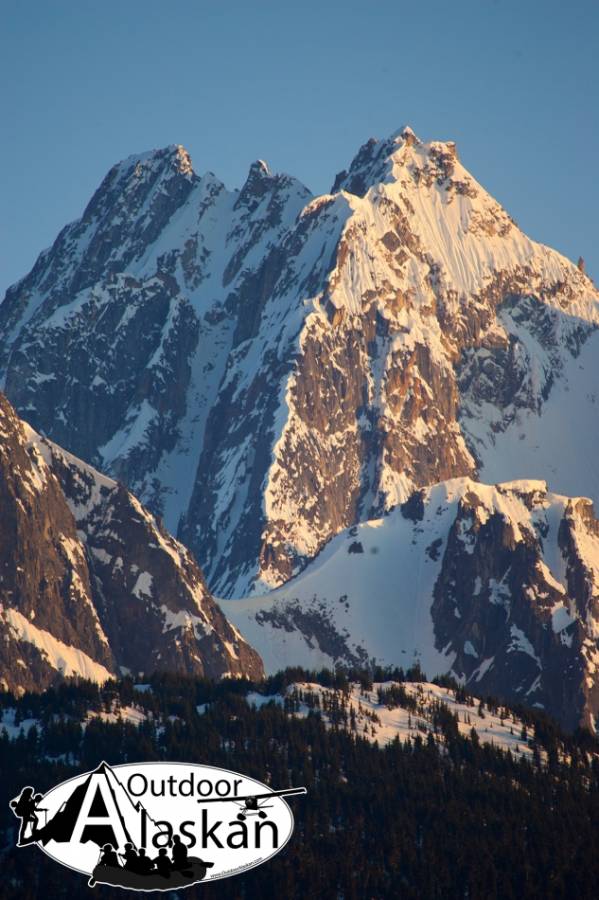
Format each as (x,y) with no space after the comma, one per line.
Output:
(264,368)
(90,584)
(497,584)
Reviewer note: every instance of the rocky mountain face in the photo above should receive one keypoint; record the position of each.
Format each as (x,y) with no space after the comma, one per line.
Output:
(90,583)
(264,368)
(497,584)
(280,378)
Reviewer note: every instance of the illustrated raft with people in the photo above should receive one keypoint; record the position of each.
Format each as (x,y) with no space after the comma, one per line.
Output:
(133,868)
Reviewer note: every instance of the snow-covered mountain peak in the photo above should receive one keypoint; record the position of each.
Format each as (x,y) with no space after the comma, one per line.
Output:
(406,135)
(184,160)
(258,182)
(312,386)
(381,160)
(149,166)
(259,167)
(265,368)
(261,183)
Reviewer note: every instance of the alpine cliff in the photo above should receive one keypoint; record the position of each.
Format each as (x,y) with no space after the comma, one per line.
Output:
(281,378)
(264,368)
(498,585)
(90,584)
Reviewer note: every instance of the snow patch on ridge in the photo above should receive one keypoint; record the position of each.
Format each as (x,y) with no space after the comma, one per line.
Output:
(67,660)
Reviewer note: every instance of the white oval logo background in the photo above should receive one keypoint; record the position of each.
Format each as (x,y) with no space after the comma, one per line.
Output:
(198,801)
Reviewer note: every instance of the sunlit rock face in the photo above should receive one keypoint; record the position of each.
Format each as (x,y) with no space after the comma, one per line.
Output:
(264,368)
(90,584)
(497,584)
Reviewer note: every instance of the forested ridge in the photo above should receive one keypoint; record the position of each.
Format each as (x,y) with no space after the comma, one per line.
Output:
(441,817)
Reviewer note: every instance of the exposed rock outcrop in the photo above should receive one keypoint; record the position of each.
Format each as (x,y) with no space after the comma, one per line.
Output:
(90,584)
(498,585)
(263,368)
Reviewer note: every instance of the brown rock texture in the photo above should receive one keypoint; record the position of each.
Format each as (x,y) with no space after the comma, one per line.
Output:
(496,584)
(263,368)
(90,584)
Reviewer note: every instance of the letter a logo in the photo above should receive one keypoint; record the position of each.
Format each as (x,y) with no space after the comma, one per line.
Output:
(99,818)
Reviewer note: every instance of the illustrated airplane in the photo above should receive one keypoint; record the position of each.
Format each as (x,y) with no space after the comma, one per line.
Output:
(255,804)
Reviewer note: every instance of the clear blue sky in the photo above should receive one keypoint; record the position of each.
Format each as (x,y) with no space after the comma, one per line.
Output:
(301,84)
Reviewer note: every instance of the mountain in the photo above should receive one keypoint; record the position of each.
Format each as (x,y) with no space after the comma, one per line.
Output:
(498,585)
(90,584)
(264,368)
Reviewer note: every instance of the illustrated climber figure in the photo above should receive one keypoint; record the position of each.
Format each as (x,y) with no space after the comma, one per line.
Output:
(26,808)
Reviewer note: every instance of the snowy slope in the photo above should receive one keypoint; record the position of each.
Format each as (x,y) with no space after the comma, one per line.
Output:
(559,444)
(354,588)
(264,368)
(382,712)
(498,585)
(380,715)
